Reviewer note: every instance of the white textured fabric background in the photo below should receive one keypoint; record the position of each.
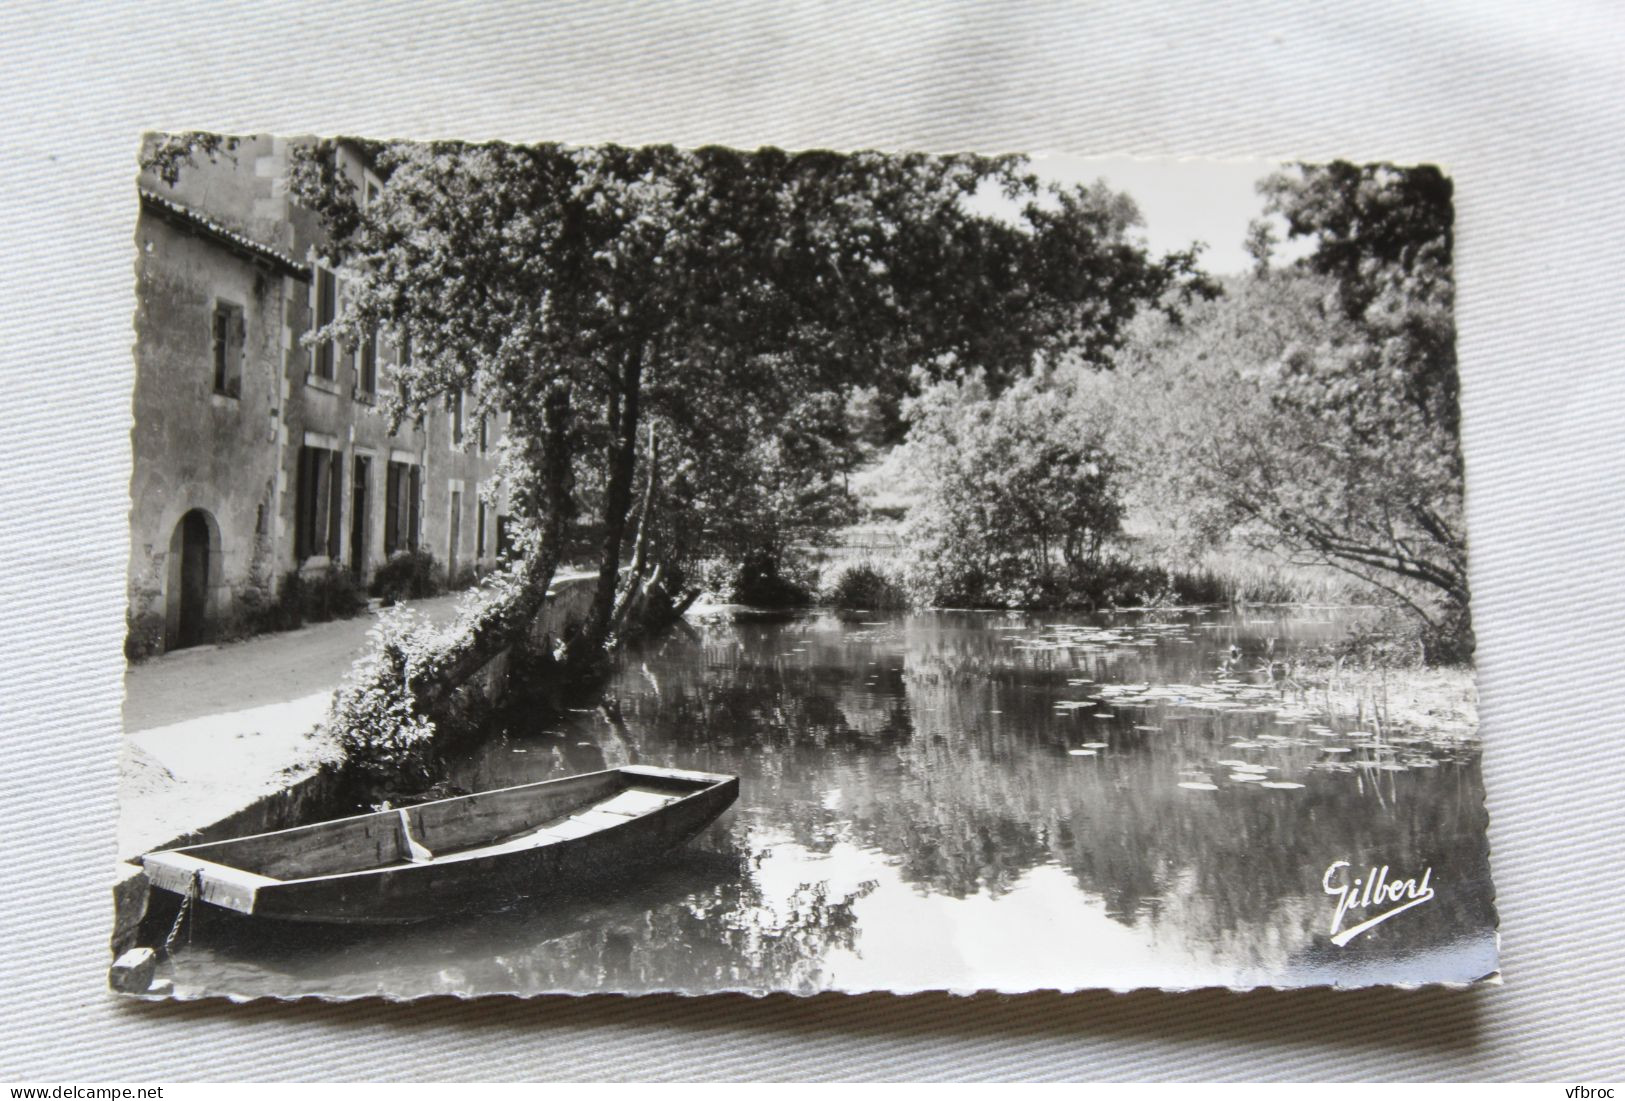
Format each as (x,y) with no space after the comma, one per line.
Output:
(1522,104)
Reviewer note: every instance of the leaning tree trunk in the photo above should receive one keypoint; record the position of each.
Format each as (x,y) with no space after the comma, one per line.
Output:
(504,623)
(640,542)
(622,460)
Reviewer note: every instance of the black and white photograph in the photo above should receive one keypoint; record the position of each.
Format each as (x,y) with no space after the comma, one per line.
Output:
(592,568)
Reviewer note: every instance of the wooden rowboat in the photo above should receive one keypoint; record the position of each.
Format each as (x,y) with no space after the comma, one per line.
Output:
(422,862)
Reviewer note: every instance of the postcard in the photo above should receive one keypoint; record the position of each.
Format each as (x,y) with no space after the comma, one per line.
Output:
(579,569)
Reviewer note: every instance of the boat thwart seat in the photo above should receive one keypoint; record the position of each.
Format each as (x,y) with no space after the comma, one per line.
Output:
(625,805)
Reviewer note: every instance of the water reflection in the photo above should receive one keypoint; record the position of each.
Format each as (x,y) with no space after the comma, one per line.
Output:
(966,800)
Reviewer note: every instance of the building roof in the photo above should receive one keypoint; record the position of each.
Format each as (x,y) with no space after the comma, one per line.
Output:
(241,244)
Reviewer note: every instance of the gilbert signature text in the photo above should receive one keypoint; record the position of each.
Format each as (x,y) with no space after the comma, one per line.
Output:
(1372,890)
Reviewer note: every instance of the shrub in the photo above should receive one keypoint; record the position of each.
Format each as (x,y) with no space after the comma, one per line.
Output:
(864,586)
(331,594)
(143,634)
(254,611)
(770,583)
(1019,493)
(1401,638)
(384,740)
(303,598)
(408,575)
(387,742)
(1449,639)
(760,580)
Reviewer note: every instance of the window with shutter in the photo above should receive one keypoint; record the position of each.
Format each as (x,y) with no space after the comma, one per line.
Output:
(319,508)
(335,507)
(327,299)
(392,509)
(367,381)
(229,331)
(302,499)
(322,490)
(415,498)
(219,350)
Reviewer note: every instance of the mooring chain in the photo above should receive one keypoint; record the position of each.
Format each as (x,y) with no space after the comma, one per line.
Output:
(193,889)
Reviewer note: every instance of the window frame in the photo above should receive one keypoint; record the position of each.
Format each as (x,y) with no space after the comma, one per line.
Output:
(403,506)
(226,378)
(319,523)
(325,352)
(366,368)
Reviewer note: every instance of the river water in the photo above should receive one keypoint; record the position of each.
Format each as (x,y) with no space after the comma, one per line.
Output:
(962,800)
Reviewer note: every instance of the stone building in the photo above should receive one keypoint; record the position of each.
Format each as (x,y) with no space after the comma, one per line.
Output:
(257,457)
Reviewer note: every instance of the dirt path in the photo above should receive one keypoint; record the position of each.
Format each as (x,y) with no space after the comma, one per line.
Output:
(208,730)
(270,669)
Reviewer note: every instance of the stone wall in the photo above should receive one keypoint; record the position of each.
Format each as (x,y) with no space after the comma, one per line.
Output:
(196,448)
(235,457)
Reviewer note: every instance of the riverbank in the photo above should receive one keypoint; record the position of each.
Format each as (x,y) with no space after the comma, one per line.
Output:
(1439,701)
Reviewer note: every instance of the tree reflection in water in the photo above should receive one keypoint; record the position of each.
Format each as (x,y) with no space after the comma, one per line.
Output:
(923,762)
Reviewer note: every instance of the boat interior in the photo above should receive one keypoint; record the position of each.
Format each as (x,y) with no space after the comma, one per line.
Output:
(465,828)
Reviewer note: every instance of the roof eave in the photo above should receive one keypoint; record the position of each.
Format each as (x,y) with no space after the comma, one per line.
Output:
(256,253)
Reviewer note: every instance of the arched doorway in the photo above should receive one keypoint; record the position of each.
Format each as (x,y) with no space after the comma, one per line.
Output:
(192,564)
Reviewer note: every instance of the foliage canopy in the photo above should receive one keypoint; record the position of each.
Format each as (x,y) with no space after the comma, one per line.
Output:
(1314,409)
(732,300)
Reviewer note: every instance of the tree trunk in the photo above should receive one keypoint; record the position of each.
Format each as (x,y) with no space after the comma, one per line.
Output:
(640,544)
(622,463)
(505,623)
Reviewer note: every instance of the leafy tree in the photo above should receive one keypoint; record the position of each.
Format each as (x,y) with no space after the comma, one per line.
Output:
(167,154)
(717,295)
(1019,491)
(1314,409)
